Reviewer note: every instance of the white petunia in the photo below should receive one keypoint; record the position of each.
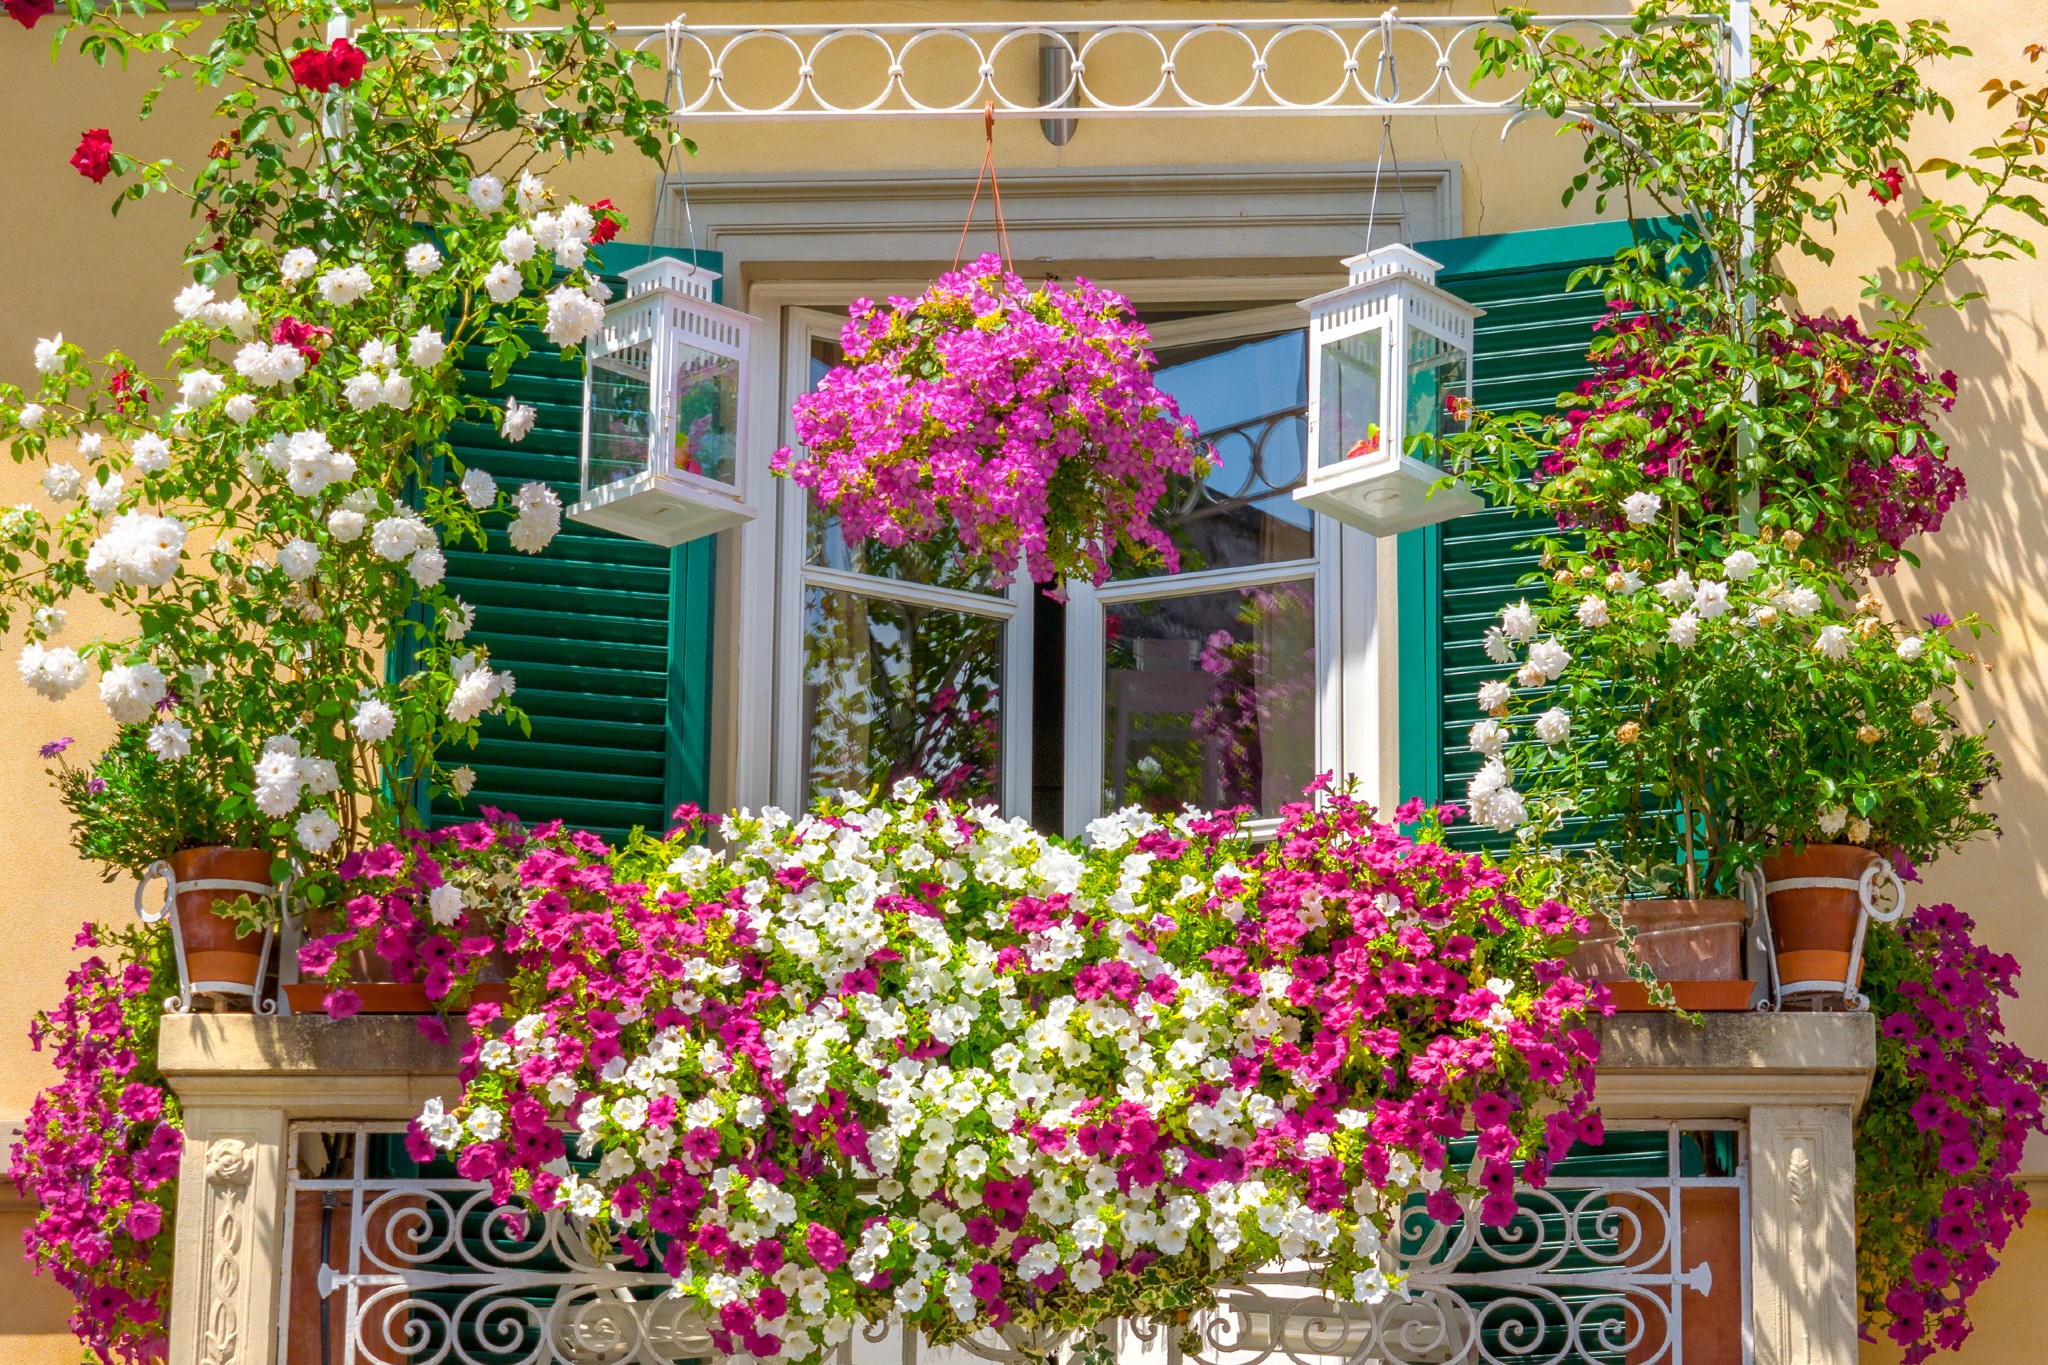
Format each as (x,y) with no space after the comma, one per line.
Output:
(1739,564)
(1641,508)
(1554,726)
(298,265)
(131,691)
(170,741)
(345,285)
(423,260)
(479,489)
(1833,642)
(52,673)
(519,419)
(487,192)
(1684,630)
(573,317)
(50,355)
(316,831)
(298,559)
(373,721)
(503,283)
(427,349)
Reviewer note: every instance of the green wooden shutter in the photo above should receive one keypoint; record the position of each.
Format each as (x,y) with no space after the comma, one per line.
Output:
(608,638)
(1455,577)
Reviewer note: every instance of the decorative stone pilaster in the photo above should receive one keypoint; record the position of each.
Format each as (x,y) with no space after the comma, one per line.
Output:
(223,1304)
(1802,1212)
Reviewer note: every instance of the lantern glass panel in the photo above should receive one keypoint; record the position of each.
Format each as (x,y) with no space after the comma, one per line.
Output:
(620,410)
(1437,372)
(1349,422)
(707,414)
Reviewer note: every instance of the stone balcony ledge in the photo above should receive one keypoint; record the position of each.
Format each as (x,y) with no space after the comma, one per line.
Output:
(1652,1065)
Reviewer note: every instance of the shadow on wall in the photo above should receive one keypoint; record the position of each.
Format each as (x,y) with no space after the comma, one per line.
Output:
(38,1313)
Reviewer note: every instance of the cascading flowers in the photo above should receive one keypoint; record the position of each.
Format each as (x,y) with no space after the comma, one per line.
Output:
(99,1150)
(915,1060)
(1944,1132)
(1024,420)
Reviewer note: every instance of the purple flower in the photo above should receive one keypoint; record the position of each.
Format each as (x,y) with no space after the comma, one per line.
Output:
(55,747)
(96,785)
(1939,620)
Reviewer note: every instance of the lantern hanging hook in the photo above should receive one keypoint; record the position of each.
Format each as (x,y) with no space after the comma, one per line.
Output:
(988,173)
(671,162)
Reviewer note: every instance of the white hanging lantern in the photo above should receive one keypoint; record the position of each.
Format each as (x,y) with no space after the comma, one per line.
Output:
(664,414)
(1390,350)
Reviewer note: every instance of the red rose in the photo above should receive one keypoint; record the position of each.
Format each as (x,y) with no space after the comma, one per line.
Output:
(27,12)
(1891,184)
(95,155)
(334,67)
(349,62)
(302,336)
(607,222)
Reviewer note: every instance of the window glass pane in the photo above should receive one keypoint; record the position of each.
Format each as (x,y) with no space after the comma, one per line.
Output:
(1351,398)
(1211,699)
(1249,398)
(892,691)
(937,560)
(1436,371)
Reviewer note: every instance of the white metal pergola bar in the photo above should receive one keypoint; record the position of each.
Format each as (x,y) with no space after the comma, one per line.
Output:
(1111,68)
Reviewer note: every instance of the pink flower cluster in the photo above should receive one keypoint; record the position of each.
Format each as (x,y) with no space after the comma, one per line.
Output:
(99,1157)
(1944,1131)
(1022,419)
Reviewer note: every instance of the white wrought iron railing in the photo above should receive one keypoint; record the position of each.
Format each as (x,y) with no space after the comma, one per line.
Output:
(1613,1262)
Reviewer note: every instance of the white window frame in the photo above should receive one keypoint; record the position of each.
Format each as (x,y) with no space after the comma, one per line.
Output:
(1013,607)
(1355,727)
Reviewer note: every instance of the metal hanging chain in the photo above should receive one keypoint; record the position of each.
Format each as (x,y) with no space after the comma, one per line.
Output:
(1385,75)
(671,164)
(988,173)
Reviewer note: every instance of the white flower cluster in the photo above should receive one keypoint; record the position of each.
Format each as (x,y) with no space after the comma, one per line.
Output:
(139,550)
(369,388)
(537,520)
(196,303)
(309,461)
(477,688)
(270,365)
(284,777)
(131,692)
(573,316)
(52,673)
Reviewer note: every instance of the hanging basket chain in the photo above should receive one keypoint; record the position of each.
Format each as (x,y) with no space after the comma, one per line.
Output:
(988,173)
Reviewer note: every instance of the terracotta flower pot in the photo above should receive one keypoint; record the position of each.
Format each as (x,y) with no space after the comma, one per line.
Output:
(1814,927)
(1679,940)
(214,950)
(364,964)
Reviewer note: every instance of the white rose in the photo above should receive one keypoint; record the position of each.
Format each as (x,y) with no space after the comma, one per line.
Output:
(50,355)
(200,387)
(150,453)
(1641,508)
(1554,726)
(53,673)
(462,781)
(573,317)
(519,419)
(373,721)
(479,489)
(170,741)
(131,691)
(427,349)
(428,566)
(423,260)
(503,283)
(487,192)
(1487,737)
(345,286)
(397,392)
(395,537)
(241,409)
(1832,820)
(1739,564)
(1493,696)
(1833,642)
(518,246)
(316,831)
(1518,622)
(1549,658)
(1911,648)
(1710,600)
(104,496)
(299,559)
(344,525)
(318,776)
(1684,630)
(444,904)
(192,301)
(298,265)
(532,193)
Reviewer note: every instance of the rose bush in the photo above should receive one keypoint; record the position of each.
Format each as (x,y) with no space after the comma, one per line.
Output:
(99,1149)
(914,1059)
(1022,419)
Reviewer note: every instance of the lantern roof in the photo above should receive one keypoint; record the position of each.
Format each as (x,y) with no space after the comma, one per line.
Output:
(1393,265)
(673,274)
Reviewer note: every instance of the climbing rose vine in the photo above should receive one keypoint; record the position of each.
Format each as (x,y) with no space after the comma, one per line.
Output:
(99,1150)
(1942,1137)
(1023,419)
(916,1060)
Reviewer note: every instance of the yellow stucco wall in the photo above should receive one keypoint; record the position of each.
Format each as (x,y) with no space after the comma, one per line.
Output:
(108,282)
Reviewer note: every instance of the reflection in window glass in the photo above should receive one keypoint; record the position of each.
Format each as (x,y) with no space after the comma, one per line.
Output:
(1249,399)
(1211,700)
(893,690)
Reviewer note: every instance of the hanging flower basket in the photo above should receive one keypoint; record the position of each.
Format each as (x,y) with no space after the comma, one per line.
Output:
(1023,419)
